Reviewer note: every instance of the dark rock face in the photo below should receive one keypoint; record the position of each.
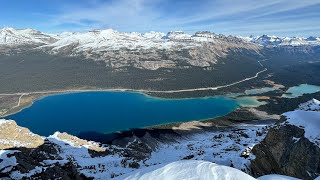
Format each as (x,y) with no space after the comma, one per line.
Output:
(30,158)
(67,172)
(286,151)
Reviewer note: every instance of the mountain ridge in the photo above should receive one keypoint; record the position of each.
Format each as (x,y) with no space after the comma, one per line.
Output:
(152,50)
(202,36)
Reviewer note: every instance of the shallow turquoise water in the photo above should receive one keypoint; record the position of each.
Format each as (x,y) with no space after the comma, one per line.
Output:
(115,111)
(300,90)
(259,91)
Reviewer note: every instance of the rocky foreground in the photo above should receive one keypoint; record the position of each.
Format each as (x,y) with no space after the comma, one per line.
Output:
(289,147)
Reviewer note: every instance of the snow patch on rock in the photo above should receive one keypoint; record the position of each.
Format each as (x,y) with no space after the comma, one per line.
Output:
(7,163)
(307,120)
(307,117)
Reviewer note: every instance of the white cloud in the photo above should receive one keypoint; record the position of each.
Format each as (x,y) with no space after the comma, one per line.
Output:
(140,15)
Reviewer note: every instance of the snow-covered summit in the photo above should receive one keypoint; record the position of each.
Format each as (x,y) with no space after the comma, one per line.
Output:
(266,40)
(11,36)
(131,40)
(108,39)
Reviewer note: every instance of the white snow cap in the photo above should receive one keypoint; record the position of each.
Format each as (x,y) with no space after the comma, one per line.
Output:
(187,170)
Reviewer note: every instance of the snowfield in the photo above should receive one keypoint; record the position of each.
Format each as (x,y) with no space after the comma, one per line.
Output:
(195,170)
(307,116)
(187,170)
(309,121)
(276,177)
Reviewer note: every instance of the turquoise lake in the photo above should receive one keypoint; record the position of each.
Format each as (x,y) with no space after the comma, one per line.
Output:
(259,91)
(300,90)
(107,112)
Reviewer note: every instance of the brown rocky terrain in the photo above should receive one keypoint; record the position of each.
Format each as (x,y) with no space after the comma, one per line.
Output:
(12,135)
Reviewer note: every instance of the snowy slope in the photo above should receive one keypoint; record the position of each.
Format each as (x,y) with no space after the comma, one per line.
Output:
(312,105)
(309,121)
(195,170)
(8,162)
(266,40)
(14,37)
(276,177)
(109,39)
(187,170)
(307,116)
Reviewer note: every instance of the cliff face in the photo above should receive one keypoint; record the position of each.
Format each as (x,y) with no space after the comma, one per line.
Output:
(285,150)
(291,147)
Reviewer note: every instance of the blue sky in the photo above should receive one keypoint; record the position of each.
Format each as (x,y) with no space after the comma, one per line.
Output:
(237,17)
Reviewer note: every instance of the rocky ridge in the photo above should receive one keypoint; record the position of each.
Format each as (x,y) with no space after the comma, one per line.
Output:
(152,50)
(274,41)
(12,135)
(291,147)
(63,155)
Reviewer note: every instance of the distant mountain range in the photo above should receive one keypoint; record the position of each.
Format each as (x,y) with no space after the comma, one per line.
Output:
(151,50)
(112,39)
(266,40)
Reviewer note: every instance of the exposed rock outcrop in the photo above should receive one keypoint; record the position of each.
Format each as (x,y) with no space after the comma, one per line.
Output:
(12,135)
(292,146)
(75,141)
(285,150)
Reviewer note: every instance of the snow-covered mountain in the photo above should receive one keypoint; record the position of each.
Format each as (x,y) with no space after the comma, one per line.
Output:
(266,40)
(109,39)
(15,37)
(151,50)
(112,39)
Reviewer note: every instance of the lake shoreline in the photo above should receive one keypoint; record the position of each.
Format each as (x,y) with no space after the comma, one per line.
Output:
(43,94)
(210,107)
